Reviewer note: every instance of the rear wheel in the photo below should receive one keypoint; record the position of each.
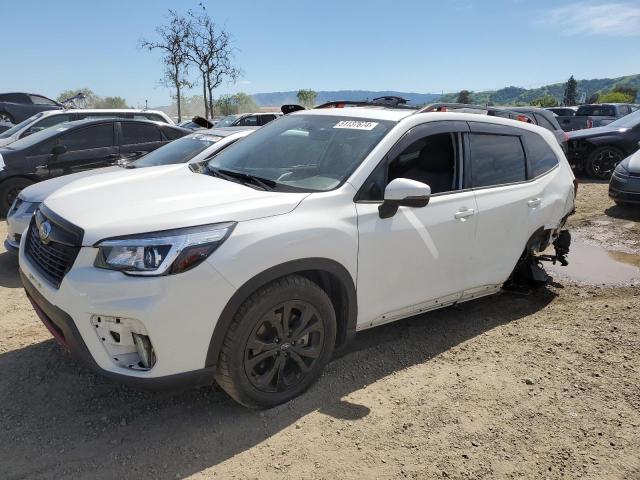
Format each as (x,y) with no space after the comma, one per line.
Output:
(278,344)
(602,161)
(6,117)
(9,190)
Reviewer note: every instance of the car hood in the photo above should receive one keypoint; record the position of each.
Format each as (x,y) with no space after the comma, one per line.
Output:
(593,132)
(37,192)
(161,198)
(7,141)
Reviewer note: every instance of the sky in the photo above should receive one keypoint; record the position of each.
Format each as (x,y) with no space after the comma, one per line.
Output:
(405,45)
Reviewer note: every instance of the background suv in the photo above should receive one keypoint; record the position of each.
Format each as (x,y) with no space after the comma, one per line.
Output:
(253,268)
(16,107)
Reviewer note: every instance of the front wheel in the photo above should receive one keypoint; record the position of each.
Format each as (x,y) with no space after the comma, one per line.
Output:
(602,161)
(9,190)
(278,343)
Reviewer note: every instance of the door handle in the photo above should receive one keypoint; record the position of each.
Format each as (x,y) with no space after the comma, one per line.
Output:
(534,202)
(463,213)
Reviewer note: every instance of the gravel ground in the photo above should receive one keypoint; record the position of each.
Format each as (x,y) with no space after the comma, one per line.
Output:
(545,385)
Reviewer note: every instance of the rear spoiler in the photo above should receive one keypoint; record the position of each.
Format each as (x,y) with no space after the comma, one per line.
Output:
(202,122)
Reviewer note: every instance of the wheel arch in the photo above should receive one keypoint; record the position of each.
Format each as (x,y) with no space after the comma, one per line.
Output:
(330,275)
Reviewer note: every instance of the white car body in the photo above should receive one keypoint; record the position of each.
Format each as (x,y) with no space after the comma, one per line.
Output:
(45,119)
(31,197)
(464,244)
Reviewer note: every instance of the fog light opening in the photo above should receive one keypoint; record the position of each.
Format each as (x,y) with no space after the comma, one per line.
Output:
(144,350)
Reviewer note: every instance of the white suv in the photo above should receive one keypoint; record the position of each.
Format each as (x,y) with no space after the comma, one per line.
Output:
(256,268)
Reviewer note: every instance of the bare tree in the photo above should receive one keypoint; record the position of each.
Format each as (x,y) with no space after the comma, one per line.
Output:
(172,42)
(209,48)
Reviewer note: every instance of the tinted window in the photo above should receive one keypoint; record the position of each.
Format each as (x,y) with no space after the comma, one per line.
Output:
(624,110)
(540,155)
(14,97)
(37,99)
(496,160)
(250,121)
(543,122)
(47,122)
(20,126)
(133,133)
(97,136)
(173,133)
(264,119)
(596,110)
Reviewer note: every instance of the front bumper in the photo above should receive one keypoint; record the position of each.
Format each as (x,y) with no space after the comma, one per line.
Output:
(179,313)
(625,189)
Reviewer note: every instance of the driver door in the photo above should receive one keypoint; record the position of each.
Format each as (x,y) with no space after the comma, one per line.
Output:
(416,259)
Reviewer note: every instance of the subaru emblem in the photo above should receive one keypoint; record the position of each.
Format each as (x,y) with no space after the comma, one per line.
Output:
(44,231)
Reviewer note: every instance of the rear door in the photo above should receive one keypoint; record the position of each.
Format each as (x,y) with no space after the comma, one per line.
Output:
(87,148)
(136,139)
(498,176)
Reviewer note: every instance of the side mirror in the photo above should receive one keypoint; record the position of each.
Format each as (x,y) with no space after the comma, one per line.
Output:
(403,192)
(59,150)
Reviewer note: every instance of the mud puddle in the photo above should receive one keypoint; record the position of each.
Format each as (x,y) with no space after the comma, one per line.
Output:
(594,265)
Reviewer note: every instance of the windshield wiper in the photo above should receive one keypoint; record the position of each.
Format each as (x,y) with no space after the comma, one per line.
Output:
(232,176)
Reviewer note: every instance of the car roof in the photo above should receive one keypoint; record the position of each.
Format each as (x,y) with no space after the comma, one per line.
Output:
(100,110)
(90,121)
(373,113)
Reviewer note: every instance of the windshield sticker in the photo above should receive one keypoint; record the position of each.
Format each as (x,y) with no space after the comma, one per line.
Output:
(356,125)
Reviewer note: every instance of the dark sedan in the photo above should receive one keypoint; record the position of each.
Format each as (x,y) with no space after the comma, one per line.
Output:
(77,146)
(17,107)
(599,150)
(624,186)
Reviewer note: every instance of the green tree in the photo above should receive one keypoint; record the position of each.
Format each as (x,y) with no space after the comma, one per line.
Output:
(238,103)
(307,97)
(570,92)
(464,96)
(615,97)
(111,102)
(631,92)
(545,101)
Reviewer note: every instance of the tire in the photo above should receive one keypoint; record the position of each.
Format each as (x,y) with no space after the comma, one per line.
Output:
(260,365)
(9,190)
(6,117)
(601,162)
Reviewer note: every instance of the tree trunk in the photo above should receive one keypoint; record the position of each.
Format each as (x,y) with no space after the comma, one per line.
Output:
(210,97)
(204,93)
(179,107)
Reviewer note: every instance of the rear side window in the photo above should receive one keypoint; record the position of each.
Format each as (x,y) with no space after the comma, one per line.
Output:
(49,121)
(264,119)
(14,98)
(496,160)
(251,121)
(133,133)
(173,133)
(97,136)
(541,156)
(544,123)
(38,100)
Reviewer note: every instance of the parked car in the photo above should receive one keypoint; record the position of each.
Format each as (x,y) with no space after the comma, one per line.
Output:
(255,268)
(43,120)
(197,123)
(599,150)
(545,119)
(192,148)
(624,186)
(247,119)
(563,111)
(17,107)
(596,115)
(76,146)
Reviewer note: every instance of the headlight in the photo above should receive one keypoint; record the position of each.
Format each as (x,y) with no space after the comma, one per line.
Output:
(20,207)
(621,171)
(162,253)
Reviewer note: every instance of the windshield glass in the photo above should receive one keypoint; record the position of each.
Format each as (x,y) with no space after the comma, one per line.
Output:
(628,121)
(178,151)
(227,121)
(20,126)
(304,152)
(38,137)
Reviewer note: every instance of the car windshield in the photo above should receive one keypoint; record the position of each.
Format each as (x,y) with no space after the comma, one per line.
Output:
(38,137)
(310,153)
(178,151)
(628,121)
(227,121)
(20,126)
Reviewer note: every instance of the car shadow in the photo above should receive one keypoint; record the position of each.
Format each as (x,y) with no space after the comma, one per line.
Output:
(59,417)
(9,277)
(630,212)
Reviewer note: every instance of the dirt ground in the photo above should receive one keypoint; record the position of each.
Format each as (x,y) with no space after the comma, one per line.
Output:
(544,385)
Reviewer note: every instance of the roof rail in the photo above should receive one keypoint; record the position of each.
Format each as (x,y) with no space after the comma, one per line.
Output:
(479,109)
(388,102)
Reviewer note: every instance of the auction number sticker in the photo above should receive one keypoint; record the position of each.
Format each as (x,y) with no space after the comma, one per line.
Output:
(356,125)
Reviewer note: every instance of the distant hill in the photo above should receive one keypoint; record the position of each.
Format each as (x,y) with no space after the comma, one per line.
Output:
(523,96)
(280,98)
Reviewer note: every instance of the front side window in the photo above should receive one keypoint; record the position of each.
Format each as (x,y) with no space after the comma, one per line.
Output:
(304,152)
(97,136)
(541,156)
(432,160)
(38,100)
(20,126)
(47,122)
(133,133)
(180,151)
(496,160)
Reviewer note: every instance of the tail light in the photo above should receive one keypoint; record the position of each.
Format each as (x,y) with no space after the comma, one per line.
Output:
(565,137)
(523,118)
(589,123)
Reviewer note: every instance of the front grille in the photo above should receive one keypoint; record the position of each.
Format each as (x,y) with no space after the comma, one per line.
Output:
(52,259)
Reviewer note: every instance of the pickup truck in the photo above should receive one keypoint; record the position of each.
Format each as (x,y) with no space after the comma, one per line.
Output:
(595,115)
